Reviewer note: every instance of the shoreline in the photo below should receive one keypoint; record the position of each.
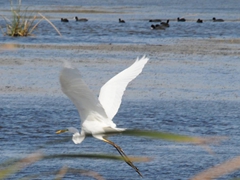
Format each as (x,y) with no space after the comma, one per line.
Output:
(187,45)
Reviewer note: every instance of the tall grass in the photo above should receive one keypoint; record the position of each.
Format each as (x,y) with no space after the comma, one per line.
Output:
(22,22)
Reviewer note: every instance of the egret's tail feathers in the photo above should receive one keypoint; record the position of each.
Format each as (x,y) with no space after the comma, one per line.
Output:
(120,129)
(112,130)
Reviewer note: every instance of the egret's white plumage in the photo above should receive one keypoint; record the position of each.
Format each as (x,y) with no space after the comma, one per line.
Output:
(97,114)
(112,91)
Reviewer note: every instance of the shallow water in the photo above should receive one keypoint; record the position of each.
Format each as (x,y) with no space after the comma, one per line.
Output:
(29,122)
(103,27)
(193,94)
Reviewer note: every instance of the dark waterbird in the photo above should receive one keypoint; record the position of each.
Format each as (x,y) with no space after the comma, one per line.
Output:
(165,24)
(157,27)
(199,21)
(121,20)
(181,19)
(217,20)
(155,20)
(81,19)
(64,19)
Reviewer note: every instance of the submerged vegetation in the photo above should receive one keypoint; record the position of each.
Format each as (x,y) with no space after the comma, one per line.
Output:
(12,167)
(9,168)
(22,22)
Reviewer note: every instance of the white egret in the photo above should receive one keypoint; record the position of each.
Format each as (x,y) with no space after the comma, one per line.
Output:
(97,114)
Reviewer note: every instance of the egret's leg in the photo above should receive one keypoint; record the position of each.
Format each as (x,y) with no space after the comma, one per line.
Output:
(121,152)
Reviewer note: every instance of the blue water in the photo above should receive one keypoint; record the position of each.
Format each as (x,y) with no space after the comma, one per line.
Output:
(29,121)
(104,27)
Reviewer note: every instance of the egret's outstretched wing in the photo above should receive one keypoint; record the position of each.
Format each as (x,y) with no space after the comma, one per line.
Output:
(112,91)
(77,90)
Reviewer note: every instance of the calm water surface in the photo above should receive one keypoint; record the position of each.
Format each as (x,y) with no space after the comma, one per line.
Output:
(29,122)
(104,27)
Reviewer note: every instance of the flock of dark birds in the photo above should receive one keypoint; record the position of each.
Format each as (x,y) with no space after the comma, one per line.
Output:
(164,25)
(161,26)
(76,18)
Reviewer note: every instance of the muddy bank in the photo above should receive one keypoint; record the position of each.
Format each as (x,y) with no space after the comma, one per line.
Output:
(191,46)
(187,69)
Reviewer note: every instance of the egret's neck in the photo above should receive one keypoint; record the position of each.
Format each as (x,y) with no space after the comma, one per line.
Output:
(78,138)
(72,130)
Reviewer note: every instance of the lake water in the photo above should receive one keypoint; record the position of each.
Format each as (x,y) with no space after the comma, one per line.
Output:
(28,122)
(198,95)
(104,27)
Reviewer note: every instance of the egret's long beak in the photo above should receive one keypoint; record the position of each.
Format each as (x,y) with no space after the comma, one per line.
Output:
(61,131)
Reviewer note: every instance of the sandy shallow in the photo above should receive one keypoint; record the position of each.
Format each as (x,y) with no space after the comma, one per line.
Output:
(206,69)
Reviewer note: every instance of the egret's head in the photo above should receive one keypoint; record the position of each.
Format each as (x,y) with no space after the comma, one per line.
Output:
(77,138)
(70,130)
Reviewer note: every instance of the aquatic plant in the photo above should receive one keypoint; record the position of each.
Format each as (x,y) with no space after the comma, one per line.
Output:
(219,170)
(22,22)
(9,168)
(12,167)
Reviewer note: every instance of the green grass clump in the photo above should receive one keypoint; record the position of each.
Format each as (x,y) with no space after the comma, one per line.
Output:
(22,23)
